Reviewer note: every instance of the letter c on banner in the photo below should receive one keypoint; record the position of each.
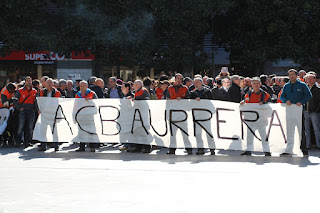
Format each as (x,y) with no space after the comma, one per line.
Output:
(76,118)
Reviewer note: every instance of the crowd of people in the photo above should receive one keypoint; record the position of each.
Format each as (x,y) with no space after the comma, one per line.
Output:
(300,88)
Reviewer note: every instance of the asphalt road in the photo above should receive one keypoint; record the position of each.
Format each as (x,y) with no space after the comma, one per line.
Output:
(111,181)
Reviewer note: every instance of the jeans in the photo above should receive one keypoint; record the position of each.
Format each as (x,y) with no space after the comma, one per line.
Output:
(25,125)
(313,119)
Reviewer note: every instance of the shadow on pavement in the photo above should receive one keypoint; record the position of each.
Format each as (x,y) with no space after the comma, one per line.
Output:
(109,153)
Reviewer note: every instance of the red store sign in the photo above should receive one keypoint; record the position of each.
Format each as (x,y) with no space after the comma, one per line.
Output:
(47,56)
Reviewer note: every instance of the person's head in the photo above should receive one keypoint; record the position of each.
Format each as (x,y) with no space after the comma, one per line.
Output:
(277,81)
(210,82)
(226,83)
(263,79)
(318,79)
(310,79)
(69,84)
(112,82)
(153,84)
(62,84)
(302,73)
(126,88)
(218,78)
(147,81)
(28,81)
(163,85)
(83,86)
(119,82)
(43,81)
(20,85)
(236,79)
(178,79)
(312,73)
(11,87)
(272,79)
(284,80)
(198,83)
(36,83)
(293,74)
(205,78)
(247,82)
(100,83)
(92,80)
(224,72)
(163,77)
(49,83)
(56,84)
(219,83)
(78,81)
(187,81)
(256,84)
(137,85)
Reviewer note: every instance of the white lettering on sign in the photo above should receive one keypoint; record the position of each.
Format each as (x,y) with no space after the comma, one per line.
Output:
(43,57)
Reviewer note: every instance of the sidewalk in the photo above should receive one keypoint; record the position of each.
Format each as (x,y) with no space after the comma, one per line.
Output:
(110,181)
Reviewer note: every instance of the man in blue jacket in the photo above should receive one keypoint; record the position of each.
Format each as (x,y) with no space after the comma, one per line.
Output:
(296,92)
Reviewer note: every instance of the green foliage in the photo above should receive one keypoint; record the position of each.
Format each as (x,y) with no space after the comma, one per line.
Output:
(165,34)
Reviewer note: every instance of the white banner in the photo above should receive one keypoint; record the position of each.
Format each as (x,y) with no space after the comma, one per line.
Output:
(171,123)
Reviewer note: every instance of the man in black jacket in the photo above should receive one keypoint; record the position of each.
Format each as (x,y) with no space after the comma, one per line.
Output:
(312,112)
(98,86)
(201,92)
(265,87)
(223,92)
(235,89)
(62,88)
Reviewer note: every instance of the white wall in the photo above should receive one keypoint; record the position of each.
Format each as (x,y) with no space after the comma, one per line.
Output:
(85,74)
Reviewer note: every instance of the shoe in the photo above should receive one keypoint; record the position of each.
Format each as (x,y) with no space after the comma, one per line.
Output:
(136,149)
(129,149)
(189,151)
(42,150)
(212,152)
(267,154)
(246,153)
(92,150)
(305,153)
(171,151)
(146,150)
(80,150)
(123,148)
(200,151)
(56,149)
(285,155)
(27,145)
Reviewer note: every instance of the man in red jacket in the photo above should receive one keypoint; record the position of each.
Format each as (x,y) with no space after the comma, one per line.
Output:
(178,91)
(25,103)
